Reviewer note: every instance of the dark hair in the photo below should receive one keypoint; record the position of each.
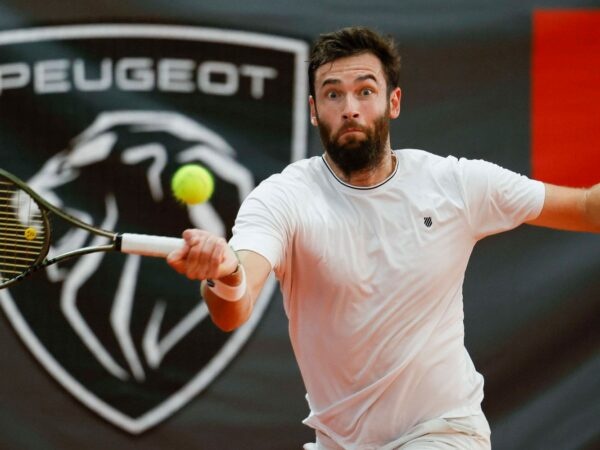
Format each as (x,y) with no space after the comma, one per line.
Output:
(353,41)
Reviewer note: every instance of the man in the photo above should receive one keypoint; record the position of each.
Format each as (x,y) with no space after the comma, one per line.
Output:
(370,247)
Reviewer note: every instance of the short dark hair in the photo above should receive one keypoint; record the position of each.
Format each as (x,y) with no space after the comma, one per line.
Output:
(354,41)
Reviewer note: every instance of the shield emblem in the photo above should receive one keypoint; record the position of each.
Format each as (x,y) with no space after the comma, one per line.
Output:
(97,118)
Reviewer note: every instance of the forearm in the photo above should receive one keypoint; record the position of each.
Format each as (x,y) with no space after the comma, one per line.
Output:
(567,208)
(228,314)
(592,206)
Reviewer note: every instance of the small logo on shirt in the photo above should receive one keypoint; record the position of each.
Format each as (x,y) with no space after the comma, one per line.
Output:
(428,222)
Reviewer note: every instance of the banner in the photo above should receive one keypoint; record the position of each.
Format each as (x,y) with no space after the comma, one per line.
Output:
(99,108)
(97,118)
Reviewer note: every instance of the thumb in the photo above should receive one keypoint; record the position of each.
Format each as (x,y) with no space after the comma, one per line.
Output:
(229,262)
(177,258)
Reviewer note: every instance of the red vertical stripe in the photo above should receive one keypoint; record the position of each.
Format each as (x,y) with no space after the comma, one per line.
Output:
(566,97)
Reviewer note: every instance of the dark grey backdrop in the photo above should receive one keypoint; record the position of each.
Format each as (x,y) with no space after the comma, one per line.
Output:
(532,297)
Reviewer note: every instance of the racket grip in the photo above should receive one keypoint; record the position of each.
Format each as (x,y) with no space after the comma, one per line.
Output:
(147,245)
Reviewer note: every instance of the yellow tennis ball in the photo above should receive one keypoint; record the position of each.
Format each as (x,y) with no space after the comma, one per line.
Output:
(30,233)
(192,184)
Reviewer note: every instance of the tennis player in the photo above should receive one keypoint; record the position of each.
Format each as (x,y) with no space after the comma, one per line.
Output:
(370,247)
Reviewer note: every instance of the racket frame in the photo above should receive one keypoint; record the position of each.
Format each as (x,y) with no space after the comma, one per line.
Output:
(45,207)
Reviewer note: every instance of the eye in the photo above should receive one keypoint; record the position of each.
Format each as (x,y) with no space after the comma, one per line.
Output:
(332,95)
(366,91)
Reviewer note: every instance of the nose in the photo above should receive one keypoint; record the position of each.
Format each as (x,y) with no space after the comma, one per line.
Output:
(350,110)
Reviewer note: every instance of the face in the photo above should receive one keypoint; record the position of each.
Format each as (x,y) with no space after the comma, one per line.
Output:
(352,110)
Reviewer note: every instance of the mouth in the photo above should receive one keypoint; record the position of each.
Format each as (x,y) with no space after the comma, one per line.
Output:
(350,130)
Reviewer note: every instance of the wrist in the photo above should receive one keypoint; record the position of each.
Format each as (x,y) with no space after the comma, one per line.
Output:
(231,287)
(592,205)
(234,277)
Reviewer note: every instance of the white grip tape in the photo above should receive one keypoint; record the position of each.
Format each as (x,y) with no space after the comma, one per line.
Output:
(146,245)
(227,292)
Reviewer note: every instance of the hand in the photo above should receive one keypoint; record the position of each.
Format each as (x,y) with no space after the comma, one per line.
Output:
(203,256)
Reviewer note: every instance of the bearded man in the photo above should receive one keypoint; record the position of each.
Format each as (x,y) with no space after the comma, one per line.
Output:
(370,246)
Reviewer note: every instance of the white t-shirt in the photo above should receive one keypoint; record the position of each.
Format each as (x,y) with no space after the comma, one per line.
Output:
(372,284)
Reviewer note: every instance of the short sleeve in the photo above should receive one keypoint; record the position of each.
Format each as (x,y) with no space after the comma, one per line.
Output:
(263,223)
(497,199)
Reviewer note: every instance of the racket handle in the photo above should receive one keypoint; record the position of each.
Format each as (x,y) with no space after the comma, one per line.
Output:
(147,245)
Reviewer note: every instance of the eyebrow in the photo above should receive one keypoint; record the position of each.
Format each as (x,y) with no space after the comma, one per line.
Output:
(335,81)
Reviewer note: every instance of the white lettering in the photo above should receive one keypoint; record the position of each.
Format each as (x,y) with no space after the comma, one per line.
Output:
(206,83)
(14,76)
(257,75)
(101,84)
(134,74)
(50,77)
(176,75)
(137,74)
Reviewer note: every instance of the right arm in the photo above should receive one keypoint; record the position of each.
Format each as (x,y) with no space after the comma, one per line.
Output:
(230,315)
(205,256)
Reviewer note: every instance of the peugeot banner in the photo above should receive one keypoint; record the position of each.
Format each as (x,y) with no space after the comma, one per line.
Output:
(101,102)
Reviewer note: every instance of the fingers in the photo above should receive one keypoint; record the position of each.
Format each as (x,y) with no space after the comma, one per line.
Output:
(204,257)
(201,256)
(176,259)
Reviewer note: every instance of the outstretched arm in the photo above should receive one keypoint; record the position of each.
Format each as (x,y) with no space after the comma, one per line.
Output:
(229,315)
(205,256)
(570,209)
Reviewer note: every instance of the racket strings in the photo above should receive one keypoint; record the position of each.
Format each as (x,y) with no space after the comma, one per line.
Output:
(22,231)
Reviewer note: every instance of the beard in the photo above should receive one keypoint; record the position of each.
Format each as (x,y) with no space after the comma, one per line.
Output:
(356,154)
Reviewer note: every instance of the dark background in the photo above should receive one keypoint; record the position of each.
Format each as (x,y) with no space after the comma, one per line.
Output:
(532,297)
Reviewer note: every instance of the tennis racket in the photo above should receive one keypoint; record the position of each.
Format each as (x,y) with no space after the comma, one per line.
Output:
(26,235)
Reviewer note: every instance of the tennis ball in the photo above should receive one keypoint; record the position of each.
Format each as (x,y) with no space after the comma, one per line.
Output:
(192,184)
(30,233)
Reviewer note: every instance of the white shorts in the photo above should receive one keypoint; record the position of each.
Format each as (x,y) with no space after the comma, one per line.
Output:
(462,433)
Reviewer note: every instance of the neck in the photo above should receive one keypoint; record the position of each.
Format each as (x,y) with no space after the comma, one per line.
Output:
(367,177)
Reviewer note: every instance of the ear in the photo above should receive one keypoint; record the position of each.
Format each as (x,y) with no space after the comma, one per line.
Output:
(395,98)
(313,111)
